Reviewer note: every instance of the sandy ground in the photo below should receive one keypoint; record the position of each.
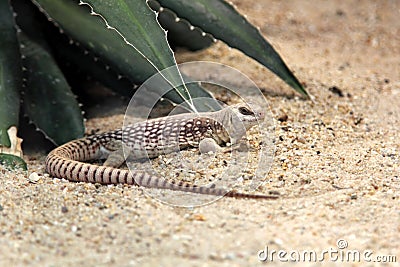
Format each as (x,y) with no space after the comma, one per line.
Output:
(336,164)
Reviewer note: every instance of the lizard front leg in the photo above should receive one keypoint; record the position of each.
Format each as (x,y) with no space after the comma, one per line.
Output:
(208,145)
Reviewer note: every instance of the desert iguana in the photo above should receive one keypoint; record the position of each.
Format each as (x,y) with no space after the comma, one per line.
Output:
(149,139)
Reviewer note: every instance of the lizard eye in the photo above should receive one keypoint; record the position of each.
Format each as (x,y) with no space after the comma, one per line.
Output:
(245,111)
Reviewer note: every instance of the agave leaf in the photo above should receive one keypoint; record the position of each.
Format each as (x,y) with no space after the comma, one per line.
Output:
(12,156)
(10,73)
(180,32)
(48,100)
(73,59)
(91,32)
(13,162)
(131,41)
(137,24)
(221,20)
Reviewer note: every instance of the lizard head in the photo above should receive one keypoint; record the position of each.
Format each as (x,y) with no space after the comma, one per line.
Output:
(249,115)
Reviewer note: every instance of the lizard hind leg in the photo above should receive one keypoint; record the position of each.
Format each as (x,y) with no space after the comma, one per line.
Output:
(116,156)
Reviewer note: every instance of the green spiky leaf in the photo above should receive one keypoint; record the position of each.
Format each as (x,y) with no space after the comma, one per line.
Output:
(133,43)
(221,20)
(73,59)
(148,39)
(180,32)
(48,100)
(10,73)
(12,162)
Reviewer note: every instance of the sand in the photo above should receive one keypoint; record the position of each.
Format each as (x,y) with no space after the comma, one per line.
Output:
(335,166)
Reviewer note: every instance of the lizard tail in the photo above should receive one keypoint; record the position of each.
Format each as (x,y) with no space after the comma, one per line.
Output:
(146,180)
(65,162)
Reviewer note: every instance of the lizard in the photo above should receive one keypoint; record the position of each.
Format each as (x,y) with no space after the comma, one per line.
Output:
(149,139)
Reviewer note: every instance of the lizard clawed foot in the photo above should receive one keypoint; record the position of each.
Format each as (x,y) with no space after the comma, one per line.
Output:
(209,146)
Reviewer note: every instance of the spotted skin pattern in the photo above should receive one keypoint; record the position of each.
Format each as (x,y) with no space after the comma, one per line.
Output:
(149,139)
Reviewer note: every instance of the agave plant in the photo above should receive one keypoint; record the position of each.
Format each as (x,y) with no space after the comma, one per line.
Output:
(120,43)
